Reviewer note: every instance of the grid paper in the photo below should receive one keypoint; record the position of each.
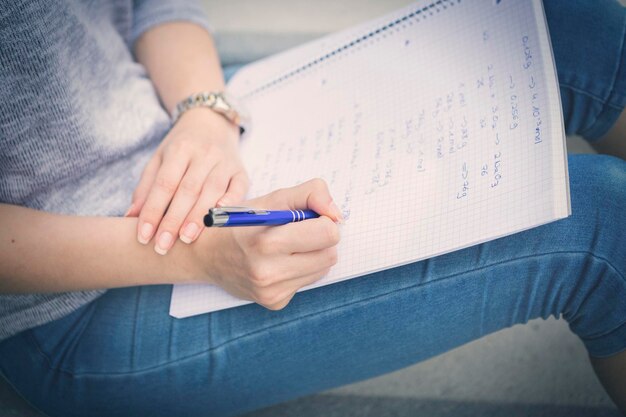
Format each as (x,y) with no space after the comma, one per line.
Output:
(436,127)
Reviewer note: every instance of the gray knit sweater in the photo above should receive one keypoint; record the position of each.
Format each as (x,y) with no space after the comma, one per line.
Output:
(78,117)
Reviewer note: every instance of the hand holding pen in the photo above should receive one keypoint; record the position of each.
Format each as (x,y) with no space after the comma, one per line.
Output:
(269,264)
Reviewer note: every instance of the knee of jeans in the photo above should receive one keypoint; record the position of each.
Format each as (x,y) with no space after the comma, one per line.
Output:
(596,282)
(615,169)
(579,111)
(605,174)
(598,193)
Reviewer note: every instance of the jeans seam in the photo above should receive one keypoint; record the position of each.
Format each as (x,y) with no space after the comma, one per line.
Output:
(211,349)
(603,101)
(134,331)
(583,301)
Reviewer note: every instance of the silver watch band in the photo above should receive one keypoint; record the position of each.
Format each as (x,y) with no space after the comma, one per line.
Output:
(216,101)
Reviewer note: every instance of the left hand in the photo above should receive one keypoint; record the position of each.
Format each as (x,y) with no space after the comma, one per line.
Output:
(197,166)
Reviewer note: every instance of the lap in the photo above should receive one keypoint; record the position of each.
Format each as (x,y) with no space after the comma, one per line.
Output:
(246,357)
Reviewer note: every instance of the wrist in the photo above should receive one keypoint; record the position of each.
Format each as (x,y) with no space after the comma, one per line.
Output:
(203,257)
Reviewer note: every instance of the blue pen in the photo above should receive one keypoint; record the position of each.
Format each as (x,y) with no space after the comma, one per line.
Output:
(243,216)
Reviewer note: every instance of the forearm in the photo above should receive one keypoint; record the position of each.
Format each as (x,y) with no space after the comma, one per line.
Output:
(44,252)
(181,60)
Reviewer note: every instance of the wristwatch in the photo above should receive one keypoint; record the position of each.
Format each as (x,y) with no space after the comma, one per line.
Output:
(218,102)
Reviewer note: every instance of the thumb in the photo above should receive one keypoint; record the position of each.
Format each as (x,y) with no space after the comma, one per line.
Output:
(313,195)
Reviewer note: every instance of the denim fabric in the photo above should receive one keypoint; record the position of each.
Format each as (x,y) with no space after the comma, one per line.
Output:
(588,42)
(123,355)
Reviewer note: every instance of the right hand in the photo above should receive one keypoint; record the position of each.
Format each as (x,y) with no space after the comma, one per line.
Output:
(269,264)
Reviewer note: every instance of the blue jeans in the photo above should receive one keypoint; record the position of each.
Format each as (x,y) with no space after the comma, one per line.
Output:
(123,355)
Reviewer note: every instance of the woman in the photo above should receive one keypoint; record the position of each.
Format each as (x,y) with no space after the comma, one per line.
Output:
(82,125)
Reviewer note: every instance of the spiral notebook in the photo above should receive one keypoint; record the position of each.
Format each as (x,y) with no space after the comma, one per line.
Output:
(436,127)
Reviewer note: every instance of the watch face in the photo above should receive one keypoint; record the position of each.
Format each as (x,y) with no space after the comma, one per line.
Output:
(221,104)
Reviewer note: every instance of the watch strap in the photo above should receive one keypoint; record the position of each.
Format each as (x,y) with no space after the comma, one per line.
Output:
(216,101)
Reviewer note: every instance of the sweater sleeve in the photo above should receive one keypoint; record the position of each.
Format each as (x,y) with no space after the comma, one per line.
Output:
(150,13)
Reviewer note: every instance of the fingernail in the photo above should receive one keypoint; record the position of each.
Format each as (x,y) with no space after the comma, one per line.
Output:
(145,233)
(222,203)
(189,233)
(337,213)
(164,243)
(129,210)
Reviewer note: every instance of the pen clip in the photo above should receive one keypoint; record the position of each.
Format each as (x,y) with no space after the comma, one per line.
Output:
(230,210)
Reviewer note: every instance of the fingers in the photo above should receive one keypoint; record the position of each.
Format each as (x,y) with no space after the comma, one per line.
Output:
(143,188)
(214,189)
(197,186)
(274,271)
(306,236)
(312,194)
(311,246)
(161,192)
(179,196)
(276,297)
(237,190)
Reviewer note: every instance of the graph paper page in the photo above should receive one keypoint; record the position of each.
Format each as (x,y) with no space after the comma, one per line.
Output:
(436,128)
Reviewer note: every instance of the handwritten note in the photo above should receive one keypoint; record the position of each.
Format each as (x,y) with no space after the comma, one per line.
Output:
(436,128)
